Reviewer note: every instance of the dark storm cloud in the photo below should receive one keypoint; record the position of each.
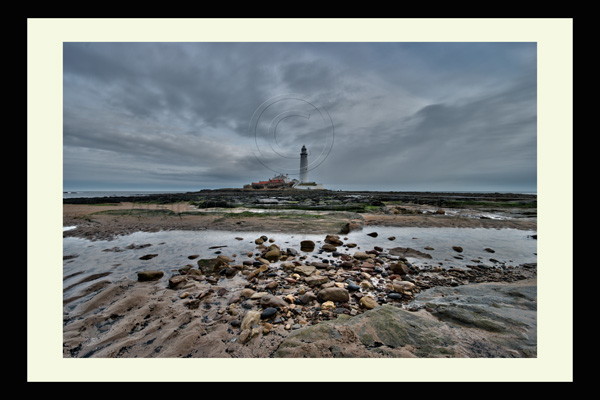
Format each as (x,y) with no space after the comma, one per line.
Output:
(179,114)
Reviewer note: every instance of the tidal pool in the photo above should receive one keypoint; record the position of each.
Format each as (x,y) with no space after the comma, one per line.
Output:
(169,251)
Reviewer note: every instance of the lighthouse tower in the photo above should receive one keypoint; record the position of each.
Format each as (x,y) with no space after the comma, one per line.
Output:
(303,165)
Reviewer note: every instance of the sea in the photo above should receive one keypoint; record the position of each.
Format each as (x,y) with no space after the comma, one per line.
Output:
(116,193)
(125,193)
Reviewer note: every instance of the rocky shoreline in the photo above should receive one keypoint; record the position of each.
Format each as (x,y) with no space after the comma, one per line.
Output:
(279,303)
(318,211)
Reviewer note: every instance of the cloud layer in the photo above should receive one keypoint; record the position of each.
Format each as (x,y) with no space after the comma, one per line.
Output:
(374,116)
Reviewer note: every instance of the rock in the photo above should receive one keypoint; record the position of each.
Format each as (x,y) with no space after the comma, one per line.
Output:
(492,320)
(288,265)
(195,274)
(329,248)
(273,254)
(373,234)
(247,293)
(489,250)
(315,280)
(258,295)
(408,252)
(268,313)
(402,286)
(245,335)
(207,266)
(251,318)
(193,304)
(306,270)
(395,296)
(176,281)
(272,285)
(144,276)
(148,256)
(289,298)
(307,298)
(307,245)
(334,294)
(272,301)
(334,240)
(222,260)
(368,302)
(259,241)
(328,305)
(457,248)
(392,238)
(399,268)
(366,285)
(387,331)
(345,229)
(361,255)
(257,271)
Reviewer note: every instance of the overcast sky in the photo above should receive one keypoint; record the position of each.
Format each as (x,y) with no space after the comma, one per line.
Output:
(374,116)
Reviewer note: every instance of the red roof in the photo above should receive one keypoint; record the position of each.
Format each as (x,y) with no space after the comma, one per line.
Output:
(269,181)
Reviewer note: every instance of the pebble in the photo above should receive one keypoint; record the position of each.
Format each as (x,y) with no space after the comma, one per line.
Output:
(268,312)
(353,287)
(368,302)
(289,290)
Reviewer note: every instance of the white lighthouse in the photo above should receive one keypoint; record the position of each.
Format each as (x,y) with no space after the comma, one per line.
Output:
(303,165)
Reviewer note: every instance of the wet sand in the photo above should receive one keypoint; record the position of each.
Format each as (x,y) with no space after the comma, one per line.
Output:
(92,222)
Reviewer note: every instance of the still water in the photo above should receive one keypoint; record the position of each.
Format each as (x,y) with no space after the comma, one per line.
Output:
(120,257)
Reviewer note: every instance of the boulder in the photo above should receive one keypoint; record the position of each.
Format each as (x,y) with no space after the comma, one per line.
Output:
(492,320)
